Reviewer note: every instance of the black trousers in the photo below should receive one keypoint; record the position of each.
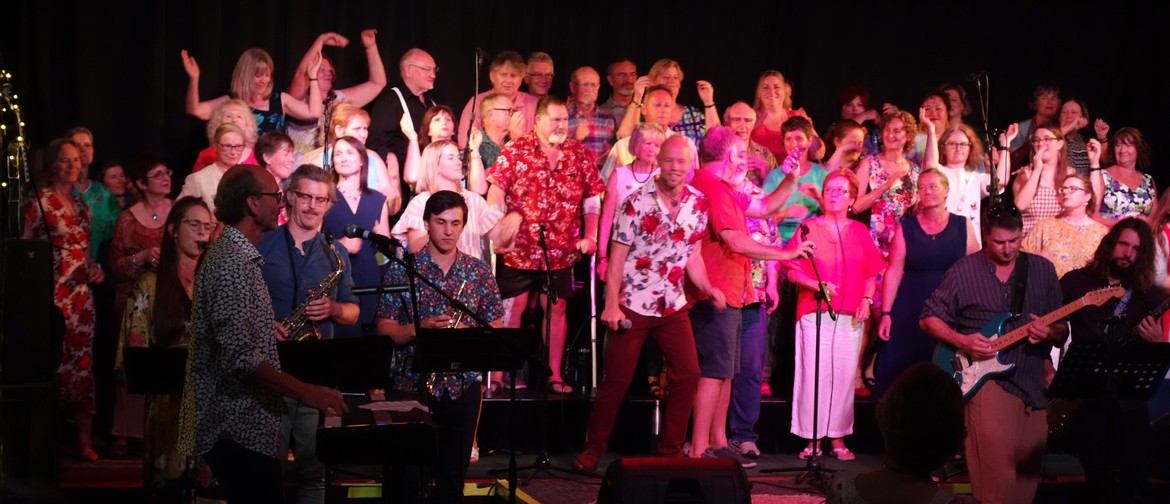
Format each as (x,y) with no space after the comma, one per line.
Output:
(1113,444)
(455,423)
(246,476)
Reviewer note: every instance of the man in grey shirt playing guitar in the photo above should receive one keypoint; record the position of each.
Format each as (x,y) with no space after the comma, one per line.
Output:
(1002,380)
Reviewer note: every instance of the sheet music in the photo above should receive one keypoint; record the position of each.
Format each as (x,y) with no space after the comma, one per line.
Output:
(394,406)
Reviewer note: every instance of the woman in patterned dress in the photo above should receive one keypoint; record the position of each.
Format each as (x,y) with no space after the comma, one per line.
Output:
(59,216)
(1129,190)
(156,316)
(690,121)
(888,179)
(1035,186)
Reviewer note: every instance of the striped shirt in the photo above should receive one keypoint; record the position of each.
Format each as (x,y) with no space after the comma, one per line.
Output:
(970,295)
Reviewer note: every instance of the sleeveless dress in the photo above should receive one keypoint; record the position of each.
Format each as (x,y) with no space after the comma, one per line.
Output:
(928,257)
(891,206)
(363,266)
(271,119)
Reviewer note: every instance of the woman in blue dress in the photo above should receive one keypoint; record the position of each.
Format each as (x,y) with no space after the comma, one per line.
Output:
(924,247)
(357,204)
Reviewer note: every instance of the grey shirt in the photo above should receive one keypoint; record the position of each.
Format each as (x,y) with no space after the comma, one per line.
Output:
(970,295)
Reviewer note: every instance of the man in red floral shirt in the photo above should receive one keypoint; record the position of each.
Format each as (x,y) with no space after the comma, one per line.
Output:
(550,180)
(654,241)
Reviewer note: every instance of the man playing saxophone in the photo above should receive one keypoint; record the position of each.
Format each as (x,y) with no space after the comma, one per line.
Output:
(310,286)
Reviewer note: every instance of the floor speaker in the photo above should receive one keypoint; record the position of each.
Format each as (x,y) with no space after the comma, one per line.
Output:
(30,344)
(675,481)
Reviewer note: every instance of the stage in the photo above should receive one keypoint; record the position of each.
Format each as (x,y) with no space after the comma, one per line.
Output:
(118,480)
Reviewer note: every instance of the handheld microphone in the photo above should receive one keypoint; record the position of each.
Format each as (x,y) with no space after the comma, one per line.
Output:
(352,231)
(625,324)
(804,237)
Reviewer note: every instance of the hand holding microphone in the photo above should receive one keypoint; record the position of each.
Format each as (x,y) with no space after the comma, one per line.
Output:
(614,319)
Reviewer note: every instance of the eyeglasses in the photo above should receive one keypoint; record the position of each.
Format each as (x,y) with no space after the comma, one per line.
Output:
(160,175)
(197,225)
(309,199)
(279,195)
(1039,140)
(836,192)
(1070,189)
(228,147)
(540,75)
(426,69)
(502,109)
(958,145)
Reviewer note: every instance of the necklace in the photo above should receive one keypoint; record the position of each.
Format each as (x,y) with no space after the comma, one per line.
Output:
(153,211)
(649,173)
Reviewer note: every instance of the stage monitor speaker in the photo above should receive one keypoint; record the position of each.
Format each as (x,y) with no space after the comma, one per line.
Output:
(30,344)
(674,480)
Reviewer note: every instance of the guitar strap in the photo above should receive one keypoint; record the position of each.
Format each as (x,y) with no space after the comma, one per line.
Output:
(1019,289)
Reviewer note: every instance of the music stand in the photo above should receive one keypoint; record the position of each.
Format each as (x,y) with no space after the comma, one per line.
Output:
(1093,369)
(159,371)
(480,349)
(1110,371)
(351,364)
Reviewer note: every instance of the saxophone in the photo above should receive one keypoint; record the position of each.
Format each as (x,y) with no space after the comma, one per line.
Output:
(297,326)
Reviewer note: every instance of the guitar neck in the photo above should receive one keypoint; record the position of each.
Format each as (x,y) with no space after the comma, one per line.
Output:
(1021,332)
(1161,309)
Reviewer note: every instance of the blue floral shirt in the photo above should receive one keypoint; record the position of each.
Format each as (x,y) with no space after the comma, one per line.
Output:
(470,280)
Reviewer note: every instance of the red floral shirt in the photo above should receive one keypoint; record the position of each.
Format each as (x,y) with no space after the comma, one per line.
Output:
(652,278)
(552,197)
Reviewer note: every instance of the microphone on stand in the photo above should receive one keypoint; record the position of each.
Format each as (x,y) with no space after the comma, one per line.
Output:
(804,237)
(352,231)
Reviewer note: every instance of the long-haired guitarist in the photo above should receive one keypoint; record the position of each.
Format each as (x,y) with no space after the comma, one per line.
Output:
(1005,419)
(1108,431)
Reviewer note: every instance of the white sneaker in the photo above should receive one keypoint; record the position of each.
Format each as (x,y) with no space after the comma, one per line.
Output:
(746,448)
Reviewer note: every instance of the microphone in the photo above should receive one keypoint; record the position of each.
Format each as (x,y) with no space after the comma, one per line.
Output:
(625,324)
(352,231)
(804,236)
(480,55)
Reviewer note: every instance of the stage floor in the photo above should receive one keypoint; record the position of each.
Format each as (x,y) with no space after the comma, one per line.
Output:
(118,480)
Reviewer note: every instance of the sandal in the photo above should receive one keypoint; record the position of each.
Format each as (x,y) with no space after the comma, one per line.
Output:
(89,455)
(807,453)
(843,453)
(474,454)
(560,387)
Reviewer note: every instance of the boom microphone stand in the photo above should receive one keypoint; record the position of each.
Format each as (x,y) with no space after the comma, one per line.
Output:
(814,471)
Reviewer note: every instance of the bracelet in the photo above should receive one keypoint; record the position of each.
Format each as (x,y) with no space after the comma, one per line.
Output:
(709,105)
(637,104)
(314,79)
(885,314)
(867,298)
(1005,147)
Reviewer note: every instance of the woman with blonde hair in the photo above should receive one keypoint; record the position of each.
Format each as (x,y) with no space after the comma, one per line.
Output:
(228,142)
(1069,240)
(1035,187)
(773,104)
(684,119)
(252,83)
(232,112)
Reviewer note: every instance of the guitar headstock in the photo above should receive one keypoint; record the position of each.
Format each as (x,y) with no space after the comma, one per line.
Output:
(1100,296)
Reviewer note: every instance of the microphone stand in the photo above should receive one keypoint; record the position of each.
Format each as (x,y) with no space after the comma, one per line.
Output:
(983,91)
(408,264)
(542,462)
(814,470)
(466,161)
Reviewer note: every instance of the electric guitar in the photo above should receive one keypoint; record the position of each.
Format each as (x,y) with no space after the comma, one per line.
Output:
(971,373)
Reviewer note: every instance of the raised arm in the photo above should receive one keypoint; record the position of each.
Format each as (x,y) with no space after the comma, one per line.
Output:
(1028,182)
(630,120)
(299,109)
(412,167)
(707,96)
(476,175)
(200,109)
(930,157)
(299,87)
(364,93)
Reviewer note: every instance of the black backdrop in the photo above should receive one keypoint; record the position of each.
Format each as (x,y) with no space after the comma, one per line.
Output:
(114,65)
